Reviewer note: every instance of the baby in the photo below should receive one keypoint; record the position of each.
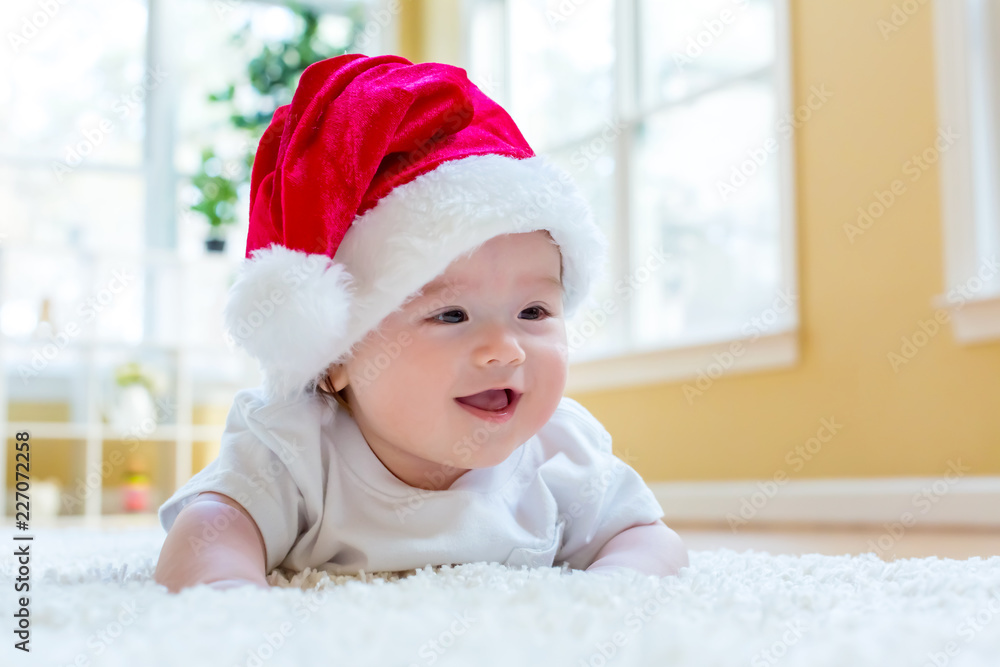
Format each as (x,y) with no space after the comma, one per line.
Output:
(411,266)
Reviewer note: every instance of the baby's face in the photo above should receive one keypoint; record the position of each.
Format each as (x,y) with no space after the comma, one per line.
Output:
(493,320)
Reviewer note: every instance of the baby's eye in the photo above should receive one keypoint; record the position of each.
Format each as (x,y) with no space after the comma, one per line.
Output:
(539,312)
(459,313)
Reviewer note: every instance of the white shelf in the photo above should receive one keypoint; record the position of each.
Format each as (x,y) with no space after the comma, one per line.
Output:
(79,376)
(70,431)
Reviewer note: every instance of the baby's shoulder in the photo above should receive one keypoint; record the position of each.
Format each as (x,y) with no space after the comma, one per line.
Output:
(573,430)
(292,430)
(256,403)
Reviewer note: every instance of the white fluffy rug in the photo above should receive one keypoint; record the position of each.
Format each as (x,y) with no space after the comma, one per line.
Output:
(93,602)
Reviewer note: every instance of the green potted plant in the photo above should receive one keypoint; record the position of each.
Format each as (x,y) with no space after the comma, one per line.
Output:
(218,199)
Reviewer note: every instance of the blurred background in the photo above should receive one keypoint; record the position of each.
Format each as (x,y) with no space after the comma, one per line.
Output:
(800,322)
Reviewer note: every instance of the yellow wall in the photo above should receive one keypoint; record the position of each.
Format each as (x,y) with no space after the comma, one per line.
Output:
(429,31)
(857,300)
(48,458)
(62,460)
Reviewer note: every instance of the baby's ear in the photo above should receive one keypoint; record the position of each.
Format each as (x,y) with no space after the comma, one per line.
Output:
(338,376)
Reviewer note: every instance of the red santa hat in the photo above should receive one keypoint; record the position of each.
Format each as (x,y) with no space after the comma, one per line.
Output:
(365,188)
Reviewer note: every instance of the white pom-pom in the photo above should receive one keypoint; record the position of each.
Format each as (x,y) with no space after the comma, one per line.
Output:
(289,310)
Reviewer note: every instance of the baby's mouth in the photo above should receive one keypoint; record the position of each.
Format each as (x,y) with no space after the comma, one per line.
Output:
(491,399)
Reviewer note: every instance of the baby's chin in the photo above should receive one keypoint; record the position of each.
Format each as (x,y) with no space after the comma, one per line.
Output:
(493,452)
(490,459)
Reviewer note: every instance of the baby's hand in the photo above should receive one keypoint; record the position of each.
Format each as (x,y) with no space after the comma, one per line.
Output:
(223,584)
(649,548)
(609,569)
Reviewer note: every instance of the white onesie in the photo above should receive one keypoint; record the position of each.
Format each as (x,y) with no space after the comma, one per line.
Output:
(322,499)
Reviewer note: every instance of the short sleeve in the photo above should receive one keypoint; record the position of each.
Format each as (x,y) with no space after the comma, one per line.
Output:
(599,494)
(251,470)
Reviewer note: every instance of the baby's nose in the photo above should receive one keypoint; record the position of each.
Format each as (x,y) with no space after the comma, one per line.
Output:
(500,347)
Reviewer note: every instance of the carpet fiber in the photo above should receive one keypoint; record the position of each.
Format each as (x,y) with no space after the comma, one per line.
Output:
(93,602)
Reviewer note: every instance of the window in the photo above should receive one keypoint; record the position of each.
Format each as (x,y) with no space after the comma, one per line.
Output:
(968,82)
(71,151)
(674,118)
(103,115)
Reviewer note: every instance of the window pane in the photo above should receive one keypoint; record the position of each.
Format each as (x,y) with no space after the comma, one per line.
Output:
(984,72)
(117,299)
(82,298)
(562,64)
(208,34)
(203,124)
(596,328)
(208,28)
(700,195)
(74,83)
(90,209)
(486,48)
(43,284)
(189,297)
(86,298)
(688,46)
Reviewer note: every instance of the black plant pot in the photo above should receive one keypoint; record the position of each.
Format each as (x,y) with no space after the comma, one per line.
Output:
(215,245)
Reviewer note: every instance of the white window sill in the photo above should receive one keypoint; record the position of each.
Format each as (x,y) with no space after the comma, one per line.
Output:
(973,321)
(702,365)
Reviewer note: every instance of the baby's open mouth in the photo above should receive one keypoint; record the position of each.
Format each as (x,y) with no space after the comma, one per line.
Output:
(491,399)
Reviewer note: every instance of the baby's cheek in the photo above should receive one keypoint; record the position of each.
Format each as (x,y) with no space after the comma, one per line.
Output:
(414,396)
(562,354)
(555,359)
(546,382)
(375,392)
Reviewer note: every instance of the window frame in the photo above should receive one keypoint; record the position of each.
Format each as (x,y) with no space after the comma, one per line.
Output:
(158,247)
(702,361)
(968,91)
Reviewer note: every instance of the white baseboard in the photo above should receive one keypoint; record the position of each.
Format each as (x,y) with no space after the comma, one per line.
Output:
(912,501)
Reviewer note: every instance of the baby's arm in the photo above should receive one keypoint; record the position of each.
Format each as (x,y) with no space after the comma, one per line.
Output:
(651,548)
(235,557)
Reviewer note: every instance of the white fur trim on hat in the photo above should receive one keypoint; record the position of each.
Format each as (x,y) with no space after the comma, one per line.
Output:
(390,252)
(289,310)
